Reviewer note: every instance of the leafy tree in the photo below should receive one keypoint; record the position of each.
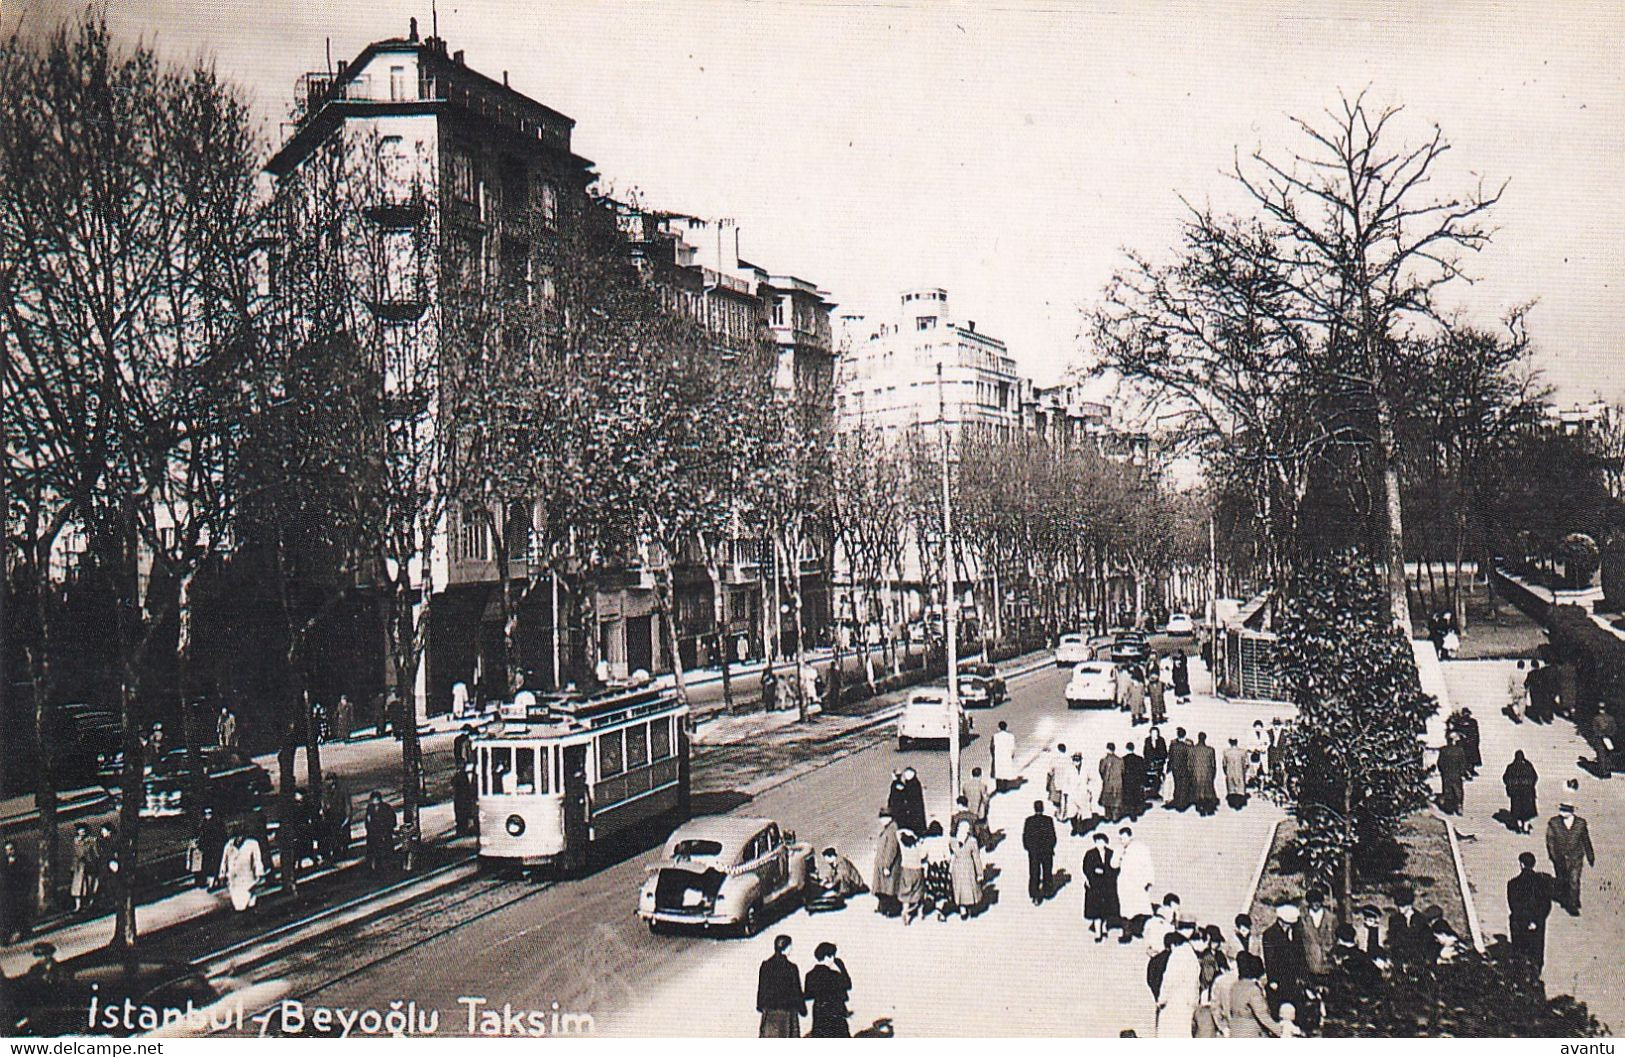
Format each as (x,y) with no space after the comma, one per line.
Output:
(1354,753)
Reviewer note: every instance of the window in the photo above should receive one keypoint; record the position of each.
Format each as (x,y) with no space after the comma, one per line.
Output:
(397,83)
(475,544)
(393,170)
(925,322)
(778,311)
(611,760)
(660,739)
(402,274)
(460,165)
(547,201)
(525,769)
(501,770)
(637,746)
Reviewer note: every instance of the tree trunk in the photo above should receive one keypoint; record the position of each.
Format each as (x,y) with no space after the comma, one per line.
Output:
(666,603)
(313,744)
(40,675)
(1345,894)
(189,724)
(713,569)
(132,787)
(1399,609)
(1460,598)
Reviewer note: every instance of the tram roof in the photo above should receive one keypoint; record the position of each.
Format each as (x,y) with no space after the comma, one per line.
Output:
(557,713)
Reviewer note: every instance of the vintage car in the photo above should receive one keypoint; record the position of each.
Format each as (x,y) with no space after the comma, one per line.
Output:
(1071,649)
(724,872)
(926,717)
(981,685)
(1181,624)
(1130,647)
(1092,684)
(233,782)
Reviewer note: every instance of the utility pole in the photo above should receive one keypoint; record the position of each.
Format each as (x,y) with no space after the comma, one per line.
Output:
(950,603)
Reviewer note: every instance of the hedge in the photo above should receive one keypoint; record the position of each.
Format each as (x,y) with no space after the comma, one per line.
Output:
(1613,570)
(1598,657)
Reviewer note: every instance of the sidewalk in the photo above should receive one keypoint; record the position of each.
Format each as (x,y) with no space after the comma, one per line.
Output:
(1582,954)
(1015,969)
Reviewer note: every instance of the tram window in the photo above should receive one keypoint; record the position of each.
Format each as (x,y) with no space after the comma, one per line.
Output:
(501,770)
(637,746)
(611,761)
(485,771)
(660,739)
(525,769)
(544,757)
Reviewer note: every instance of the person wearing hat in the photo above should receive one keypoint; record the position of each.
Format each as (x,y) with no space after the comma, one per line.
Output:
(1353,965)
(1568,845)
(1405,928)
(1371,923)
(1452,766)
(1319,935)
(1529,901)
(1283,954)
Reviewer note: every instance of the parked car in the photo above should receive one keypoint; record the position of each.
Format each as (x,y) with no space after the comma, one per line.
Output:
(234,782)
(1093,685)
(980,684)
(724,872)
(1181,624)
(926,718)
(1130,647)
(123,986)
(1071,649)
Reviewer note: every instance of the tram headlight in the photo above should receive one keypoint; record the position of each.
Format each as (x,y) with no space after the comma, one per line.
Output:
(516,826)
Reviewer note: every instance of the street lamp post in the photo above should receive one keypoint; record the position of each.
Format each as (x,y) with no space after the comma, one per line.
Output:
(950,602)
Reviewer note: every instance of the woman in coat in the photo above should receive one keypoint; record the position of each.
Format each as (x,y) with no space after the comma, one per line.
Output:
(241,868)
(1248,1012)
(1520,780)
(966,870)
(1100,907)
(87,867)
(888,871)
(1182,678)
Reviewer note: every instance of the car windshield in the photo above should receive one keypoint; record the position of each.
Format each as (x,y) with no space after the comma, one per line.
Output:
(926,702)
(693,848)
(1071,640)
(1082,670)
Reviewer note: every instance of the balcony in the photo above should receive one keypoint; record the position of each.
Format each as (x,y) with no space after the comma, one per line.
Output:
(397,212)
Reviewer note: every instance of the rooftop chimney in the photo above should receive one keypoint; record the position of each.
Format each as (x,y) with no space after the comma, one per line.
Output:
(972,325)
(413,33)
(504,78)
(457,56)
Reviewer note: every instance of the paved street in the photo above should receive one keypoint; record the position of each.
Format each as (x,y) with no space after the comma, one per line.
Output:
(1582,954)
(578,944)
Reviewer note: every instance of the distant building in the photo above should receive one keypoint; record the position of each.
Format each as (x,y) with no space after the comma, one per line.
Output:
(924,365)
(1580,418)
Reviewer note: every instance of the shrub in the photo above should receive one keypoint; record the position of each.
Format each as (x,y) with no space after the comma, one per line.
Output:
(1597,654)
(1579,555)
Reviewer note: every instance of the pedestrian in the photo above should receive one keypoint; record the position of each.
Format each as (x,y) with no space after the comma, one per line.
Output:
(911,874)
(462,746)
(464,803)
(1133,782)
(1371,924)
(1468,725)
(211,843)
(962,816)
(1451,644)
(343,718)
(1004,758)
(1520,780)
(779,997)
(1056,761)
(1235,775)
(1319,935)
(1180,990)
(242,868)
(1136,697)
(1452,767)
(1155,695)
(770,689)
(1100,906)
(1136,874)
(1111,783)
(1164,919)
(1249,1014)
(225,728)
(1542,686)
(107,843)
(1277,754)
(834,873)
(1407,939)
(1038,839)
(1079,794)
(296,834)
(155,744)
(827,987)
(16,894)
(1179,763)
(907,801)
(937,851)
(1605,733)
(1242,940)
(380,825)
(1182,678)
(1156,763)
(887,877)
(1122,676)
(1568,845)
(966,869)
(1529,902)
(1283,955)
(1353,966)
(1517,694)
(1204,775)
(976,795)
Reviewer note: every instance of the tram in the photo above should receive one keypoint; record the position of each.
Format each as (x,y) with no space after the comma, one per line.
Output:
(564,773)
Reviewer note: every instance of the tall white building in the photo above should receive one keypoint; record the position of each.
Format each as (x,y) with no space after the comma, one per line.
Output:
(887,371)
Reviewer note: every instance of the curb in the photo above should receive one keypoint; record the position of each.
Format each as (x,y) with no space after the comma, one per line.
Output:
(246,954)
(1461,880)
(1258,871)
(70,805)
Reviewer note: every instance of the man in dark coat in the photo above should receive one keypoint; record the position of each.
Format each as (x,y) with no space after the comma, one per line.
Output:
(1283,955)
(1156,762)
(779,998)
(1133,782)
(1038,838)
(1182,678)
(1408,932)
(17,893)
(1353,965)
(1179,762)
(1605,733)
(1452,773)
(907,802)
(1204,770)
(211,844)
(380,831)
(888,867)
(1542,685)
(1469,742)
(1568,845)
(1529,901)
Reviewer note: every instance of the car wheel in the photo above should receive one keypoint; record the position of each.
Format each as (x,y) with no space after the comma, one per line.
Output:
(902,743)
(753,919)
(656,928)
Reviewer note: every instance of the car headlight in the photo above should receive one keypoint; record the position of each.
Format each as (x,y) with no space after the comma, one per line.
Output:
(515,826)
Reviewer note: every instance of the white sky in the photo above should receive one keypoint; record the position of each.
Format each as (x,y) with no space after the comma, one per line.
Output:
(1008,150)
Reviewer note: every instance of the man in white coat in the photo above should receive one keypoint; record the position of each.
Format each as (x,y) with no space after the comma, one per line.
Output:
(1004,758)
(1181,987)
(1134,880)
(242,865)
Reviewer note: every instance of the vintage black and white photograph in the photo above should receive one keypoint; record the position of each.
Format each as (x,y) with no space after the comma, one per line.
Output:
(812,518)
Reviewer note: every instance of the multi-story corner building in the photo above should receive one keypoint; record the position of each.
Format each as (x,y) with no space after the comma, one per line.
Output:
(923,366)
